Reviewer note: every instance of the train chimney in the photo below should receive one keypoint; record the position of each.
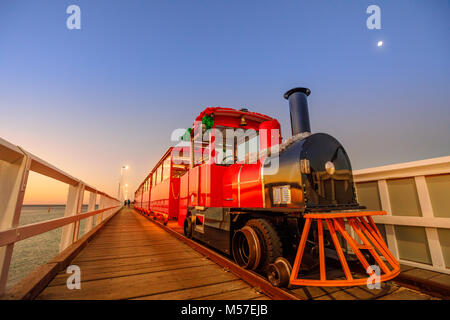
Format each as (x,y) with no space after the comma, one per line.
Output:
(298,106)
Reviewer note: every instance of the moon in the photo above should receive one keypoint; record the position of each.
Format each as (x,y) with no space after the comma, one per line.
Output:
(380,43)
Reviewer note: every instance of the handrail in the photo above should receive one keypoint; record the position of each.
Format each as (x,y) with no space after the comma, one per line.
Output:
(15,165)
(403,170)
(14,235)
(415,175)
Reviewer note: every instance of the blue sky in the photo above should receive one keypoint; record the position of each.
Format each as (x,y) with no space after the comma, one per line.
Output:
(111,93)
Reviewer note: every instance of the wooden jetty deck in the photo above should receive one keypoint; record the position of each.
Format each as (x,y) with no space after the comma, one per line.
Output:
(132,258)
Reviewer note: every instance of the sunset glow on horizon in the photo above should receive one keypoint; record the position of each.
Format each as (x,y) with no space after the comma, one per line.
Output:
(92,100)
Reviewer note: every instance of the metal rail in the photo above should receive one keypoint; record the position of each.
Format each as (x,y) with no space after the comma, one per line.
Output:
(256,280)
(15,166)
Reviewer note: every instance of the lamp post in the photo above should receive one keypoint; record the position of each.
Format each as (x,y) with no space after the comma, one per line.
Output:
(120,181)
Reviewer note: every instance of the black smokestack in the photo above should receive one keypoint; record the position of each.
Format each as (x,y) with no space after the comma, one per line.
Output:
(298,106)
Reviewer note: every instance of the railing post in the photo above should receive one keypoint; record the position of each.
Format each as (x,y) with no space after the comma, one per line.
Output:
(437,258)
(91,207)
(109,205)
(386,206)
(76,231)
(14,176)
(72,207)
(100,206)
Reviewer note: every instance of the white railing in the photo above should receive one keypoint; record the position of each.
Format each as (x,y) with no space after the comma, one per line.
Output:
(15,165)
(416,197)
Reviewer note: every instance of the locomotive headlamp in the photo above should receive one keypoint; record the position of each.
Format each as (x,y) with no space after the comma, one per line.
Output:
(329,168)
(282,195)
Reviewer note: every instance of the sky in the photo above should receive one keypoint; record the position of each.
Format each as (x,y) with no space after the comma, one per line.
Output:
(89,101)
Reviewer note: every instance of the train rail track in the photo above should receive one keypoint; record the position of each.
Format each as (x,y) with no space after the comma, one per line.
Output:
(248,276)
(388,290)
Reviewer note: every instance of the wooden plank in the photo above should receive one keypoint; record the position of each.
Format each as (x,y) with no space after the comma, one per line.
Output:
(131,258)
(33,284)
(314,292)
(124,261)
(126,243)
(126,253)
(407,294)
(108,273)
(240,294)
(134,286)
(261,298)
(198,292)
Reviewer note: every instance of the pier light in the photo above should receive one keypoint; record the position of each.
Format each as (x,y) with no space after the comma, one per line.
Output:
(126,167)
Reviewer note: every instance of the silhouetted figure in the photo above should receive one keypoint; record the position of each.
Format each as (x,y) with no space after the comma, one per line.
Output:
(129,203)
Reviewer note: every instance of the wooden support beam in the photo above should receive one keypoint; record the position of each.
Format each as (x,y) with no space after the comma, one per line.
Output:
(13,176)
(67,234)
(91,207)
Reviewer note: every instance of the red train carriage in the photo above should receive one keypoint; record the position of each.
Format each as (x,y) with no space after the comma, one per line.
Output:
(288,209)
(159,194)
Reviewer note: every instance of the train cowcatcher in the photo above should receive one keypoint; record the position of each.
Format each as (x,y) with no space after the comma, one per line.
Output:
(287,210)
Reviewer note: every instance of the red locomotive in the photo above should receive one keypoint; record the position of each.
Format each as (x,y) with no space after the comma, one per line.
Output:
(288,210)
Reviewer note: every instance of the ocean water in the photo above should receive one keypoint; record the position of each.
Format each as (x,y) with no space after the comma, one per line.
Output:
(32,252)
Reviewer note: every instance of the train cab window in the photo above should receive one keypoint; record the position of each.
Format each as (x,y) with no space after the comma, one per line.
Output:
(201,147)
(248,147)
(166,169)
(180,161)
(236,145)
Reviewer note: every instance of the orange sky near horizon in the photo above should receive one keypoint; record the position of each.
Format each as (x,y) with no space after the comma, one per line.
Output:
(43,190)
(90,101)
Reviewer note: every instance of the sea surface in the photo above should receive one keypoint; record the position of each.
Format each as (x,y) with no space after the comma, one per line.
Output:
(32,252)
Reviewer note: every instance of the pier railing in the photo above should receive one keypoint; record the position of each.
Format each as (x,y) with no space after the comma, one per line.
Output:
(416,197)
(15,165)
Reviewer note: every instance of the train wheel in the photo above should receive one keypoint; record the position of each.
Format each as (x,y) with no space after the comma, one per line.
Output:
(188,227)
(246,248)
(279,272)
(271,247)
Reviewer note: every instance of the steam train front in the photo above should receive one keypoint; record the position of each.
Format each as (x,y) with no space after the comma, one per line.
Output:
(313,170)
(310,219)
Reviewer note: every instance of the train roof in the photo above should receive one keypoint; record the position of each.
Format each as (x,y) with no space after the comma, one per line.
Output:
(222,111)
(217,111)
(169,150)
